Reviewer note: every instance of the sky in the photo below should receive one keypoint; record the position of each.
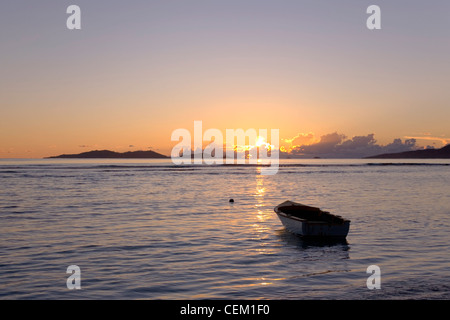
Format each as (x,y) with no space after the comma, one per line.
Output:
(138,70)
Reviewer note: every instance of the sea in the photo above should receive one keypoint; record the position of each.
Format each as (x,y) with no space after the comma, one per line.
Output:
(149,229)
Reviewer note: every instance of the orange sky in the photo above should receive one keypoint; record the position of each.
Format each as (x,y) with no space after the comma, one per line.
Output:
(297,66)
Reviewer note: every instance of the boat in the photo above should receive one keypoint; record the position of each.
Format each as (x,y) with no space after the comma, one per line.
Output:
(308,221)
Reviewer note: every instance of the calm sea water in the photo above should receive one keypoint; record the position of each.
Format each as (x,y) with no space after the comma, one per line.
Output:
(145,229)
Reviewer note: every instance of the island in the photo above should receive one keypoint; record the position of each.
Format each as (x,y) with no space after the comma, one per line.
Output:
(442,153)
(107,154)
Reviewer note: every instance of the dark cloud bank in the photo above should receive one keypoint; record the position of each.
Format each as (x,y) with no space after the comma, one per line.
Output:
(335,145)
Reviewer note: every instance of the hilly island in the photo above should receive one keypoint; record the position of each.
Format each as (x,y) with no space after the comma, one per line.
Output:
(442,153)
(107,154)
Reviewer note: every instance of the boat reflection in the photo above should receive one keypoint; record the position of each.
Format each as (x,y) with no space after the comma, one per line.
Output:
(295,240)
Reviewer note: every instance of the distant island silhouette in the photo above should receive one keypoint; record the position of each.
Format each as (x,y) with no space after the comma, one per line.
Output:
(107,154)
(443,153)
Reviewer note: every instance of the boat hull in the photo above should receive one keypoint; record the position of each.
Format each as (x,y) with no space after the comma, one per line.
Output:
(314,228)
(310,221)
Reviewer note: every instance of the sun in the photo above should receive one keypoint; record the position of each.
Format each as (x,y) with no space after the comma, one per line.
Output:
(260,141)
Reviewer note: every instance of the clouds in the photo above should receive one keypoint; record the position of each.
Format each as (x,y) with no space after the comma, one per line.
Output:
(301,139)
(336,145)
(427,137)
(328,143)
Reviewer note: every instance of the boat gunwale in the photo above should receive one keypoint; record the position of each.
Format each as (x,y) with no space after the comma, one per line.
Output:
(283,214)
(278,211)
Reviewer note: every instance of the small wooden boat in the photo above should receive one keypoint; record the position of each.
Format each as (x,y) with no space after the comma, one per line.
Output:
(310,221)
